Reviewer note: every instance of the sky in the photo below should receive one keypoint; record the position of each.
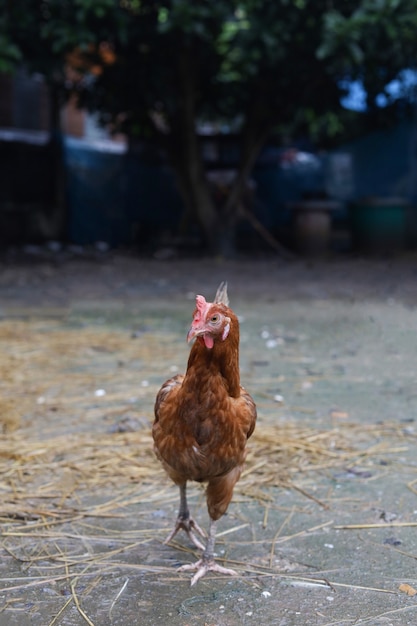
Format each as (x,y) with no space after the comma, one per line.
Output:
(355,99)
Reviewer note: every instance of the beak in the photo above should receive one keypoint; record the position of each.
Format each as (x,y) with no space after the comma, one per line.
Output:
(194,331)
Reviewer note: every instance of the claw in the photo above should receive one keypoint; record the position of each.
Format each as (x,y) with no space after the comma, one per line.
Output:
(203,566)
(189,526)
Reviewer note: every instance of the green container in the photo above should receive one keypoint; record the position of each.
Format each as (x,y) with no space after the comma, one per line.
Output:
(379,224)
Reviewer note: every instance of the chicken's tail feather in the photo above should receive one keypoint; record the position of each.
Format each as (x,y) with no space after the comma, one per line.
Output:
(221,294)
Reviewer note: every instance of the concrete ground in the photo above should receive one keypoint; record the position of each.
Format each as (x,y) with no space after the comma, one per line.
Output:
(328,350)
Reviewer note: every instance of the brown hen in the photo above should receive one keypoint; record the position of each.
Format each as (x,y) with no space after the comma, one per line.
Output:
(203,421)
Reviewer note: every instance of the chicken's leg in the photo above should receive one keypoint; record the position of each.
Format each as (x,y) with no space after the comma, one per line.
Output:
(186,522)
(207,562)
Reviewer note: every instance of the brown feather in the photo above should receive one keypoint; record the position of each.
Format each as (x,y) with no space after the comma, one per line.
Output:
(203,419)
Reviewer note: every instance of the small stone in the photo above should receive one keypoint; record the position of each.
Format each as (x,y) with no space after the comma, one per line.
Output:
(271,343)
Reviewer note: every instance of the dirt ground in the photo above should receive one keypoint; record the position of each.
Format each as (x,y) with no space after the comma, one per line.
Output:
(322,527)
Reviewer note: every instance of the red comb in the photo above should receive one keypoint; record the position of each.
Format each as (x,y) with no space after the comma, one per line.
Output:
(201,303)
(202,307)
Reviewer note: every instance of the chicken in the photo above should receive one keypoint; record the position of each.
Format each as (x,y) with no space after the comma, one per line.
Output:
(203,421)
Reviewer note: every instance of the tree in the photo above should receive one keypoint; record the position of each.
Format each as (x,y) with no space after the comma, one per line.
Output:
(251,64)
(159,68)
(375,46)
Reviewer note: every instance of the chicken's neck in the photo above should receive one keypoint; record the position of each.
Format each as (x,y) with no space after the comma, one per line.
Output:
(222,359)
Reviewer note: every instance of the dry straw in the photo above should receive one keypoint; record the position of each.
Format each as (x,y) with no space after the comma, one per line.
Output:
(79,480)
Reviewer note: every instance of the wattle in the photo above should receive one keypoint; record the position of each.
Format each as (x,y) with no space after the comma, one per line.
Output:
(208,341)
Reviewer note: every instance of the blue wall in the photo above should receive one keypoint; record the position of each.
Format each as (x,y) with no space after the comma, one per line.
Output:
(384,163)
(113,194)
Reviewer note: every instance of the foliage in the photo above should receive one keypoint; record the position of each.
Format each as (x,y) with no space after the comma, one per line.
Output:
(374,43)
(231,48)
(291,54)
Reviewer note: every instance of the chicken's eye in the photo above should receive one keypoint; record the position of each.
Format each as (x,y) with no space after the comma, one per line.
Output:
(214,319)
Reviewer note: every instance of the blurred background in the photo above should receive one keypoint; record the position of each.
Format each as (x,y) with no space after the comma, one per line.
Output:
(168,127)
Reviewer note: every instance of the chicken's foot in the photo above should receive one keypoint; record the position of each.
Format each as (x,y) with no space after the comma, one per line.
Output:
(189,525)
(186,522)
(207,562)
(203,566)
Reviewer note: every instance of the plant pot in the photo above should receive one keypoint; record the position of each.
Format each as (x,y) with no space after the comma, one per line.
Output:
(379,224)
(312,226)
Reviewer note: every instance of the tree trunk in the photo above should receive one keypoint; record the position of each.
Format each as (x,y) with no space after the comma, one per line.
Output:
(218,232)
(218,223)
(254,135)
(184,150)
